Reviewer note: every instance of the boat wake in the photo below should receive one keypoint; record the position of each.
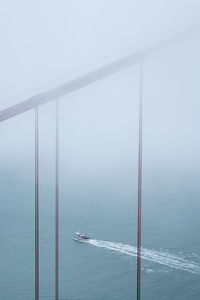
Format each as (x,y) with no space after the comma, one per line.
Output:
(160,257)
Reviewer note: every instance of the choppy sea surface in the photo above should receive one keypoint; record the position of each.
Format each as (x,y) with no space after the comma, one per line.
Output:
(104,268)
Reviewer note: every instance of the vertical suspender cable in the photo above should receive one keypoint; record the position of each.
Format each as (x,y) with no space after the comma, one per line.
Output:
(36,208)
(139,182)
(57,205)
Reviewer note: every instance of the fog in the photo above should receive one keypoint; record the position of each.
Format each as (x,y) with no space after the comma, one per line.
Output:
(43,42)
(46,43)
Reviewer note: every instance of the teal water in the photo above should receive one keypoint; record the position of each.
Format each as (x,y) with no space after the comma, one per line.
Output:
(105,267)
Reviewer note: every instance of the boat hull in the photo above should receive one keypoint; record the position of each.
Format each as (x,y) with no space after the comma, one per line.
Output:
(81,240)
(80,237)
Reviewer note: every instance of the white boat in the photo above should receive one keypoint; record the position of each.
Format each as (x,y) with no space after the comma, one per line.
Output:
(80,237)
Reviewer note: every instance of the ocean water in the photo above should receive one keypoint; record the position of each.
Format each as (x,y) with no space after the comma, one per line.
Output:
(105,266)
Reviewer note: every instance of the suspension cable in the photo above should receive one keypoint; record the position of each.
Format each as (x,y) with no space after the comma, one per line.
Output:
(57,204)
(36,207)
(139,182)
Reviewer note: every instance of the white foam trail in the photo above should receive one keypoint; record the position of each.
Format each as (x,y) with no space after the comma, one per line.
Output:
(160,257)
